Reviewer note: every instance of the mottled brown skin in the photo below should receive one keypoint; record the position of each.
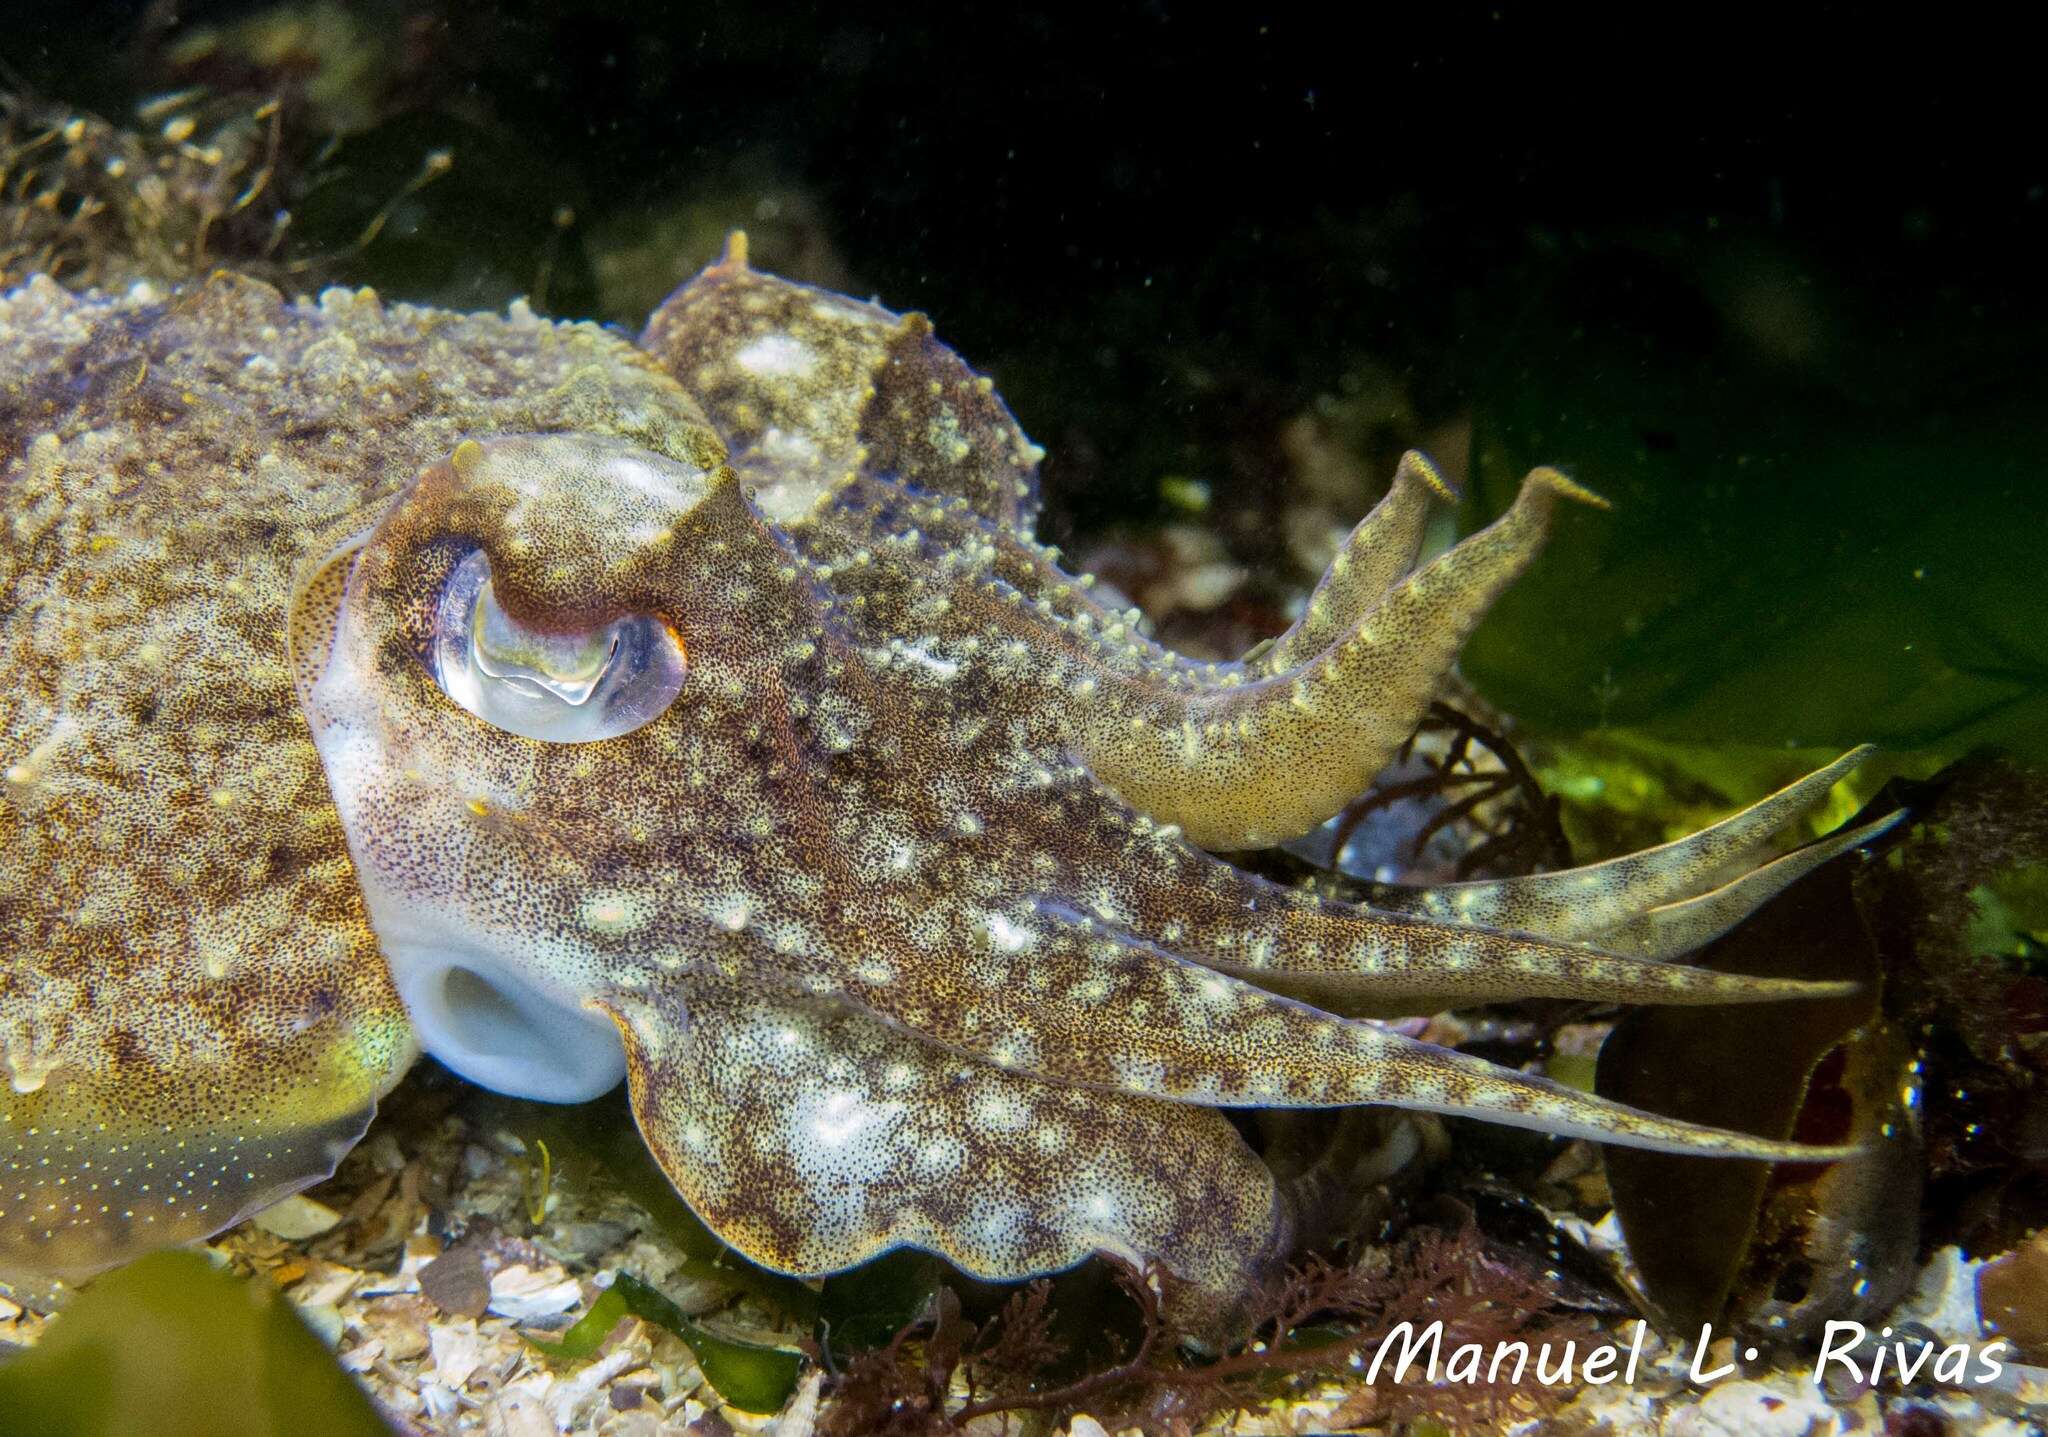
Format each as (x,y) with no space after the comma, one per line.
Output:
(194,1018)
(901,908)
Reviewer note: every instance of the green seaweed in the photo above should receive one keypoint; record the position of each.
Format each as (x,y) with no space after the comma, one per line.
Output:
(748,1375)
(1810,552)
(173,1346)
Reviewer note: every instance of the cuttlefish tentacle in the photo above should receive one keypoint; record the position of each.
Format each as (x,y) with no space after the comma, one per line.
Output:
(812,1139)
(1079,1003)
(1357,961)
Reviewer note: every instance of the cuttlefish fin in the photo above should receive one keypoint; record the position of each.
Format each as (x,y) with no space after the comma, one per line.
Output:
(812,1137)
(177,1113)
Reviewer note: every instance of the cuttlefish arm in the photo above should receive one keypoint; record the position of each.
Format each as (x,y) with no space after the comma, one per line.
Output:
(824,401)
(1258,764)
(1377,555)
(812,1139)
(809,389)
(1661,901)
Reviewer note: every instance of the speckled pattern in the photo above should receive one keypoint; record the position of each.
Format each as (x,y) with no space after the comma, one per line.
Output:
(193,1015)
(904,908)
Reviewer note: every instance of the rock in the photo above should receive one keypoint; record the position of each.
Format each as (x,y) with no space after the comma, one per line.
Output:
(296,1218)
(2012,1296)
(1944,1300)
(455,1282)
(1782,1405)
(525,1294)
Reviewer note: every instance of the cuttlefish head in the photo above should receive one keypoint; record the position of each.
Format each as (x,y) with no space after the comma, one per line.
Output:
(519,682)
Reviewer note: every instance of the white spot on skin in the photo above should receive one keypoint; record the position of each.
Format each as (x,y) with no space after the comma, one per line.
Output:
(1009,937)
(1090,991)
(899,855)
(943,1155)
(612,913)
(645,479)
(1259,953)
(947,438)
(1102,1208)
(840,1118)
(998,1111)
(1139,1075)
(790,936)
(777,356)
(732,912)
(1013,1051)
(32,768)
(918,654)
(26,1078)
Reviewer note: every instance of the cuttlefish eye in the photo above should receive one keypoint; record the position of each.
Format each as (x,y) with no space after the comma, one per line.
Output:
(573,687)
(543,583)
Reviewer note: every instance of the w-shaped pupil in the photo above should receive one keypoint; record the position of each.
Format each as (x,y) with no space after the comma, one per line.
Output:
(560,687)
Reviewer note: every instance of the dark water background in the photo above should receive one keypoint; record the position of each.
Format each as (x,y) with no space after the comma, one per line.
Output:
(1771,282)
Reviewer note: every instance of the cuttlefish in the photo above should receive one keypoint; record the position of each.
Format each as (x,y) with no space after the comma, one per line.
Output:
(701,711)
